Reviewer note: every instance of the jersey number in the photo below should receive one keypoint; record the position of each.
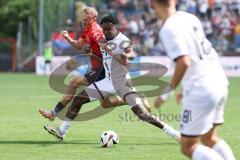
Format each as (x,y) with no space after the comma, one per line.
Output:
(206,46)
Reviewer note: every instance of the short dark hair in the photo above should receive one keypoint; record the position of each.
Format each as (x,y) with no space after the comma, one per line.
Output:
(109,19)
(166,2)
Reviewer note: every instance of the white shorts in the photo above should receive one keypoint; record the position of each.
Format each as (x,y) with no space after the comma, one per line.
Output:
(122,87)
(201,112)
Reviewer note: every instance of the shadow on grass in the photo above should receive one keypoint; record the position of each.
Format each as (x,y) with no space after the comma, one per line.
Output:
(151,144)
(79,142)
(144,144)
(30,142)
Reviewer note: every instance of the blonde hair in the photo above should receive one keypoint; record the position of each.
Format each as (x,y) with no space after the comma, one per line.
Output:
(91,10)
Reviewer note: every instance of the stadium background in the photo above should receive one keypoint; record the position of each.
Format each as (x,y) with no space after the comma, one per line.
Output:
(22,92)
(22,40)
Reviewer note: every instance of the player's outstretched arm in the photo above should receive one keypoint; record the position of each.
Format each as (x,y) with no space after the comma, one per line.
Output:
(75,43)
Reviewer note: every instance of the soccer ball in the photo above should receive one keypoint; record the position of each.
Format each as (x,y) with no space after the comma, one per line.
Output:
(109,138)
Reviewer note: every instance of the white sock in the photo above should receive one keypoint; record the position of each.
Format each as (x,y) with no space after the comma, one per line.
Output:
(64,126)
(171,131)
(224,150)
(205,153)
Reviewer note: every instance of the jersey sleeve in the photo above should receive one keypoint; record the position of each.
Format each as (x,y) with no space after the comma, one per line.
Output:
(174,43)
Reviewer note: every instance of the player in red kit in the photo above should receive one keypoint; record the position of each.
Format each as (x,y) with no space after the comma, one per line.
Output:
(92,35)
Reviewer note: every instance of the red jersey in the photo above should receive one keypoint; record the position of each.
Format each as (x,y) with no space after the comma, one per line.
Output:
(92,36)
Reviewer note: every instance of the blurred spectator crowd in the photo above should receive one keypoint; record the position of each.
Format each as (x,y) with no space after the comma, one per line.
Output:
(221,22)
(220,19)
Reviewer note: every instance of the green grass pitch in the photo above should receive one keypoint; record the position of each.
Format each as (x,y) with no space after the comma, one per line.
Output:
(22,135)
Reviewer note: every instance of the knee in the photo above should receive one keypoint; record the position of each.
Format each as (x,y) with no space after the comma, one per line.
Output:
(73,81)
(209,140)
(188,145)
(111,102)
(77,81)
(187,149)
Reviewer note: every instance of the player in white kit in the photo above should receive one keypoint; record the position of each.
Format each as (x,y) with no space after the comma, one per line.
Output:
(204,84)
(117,81)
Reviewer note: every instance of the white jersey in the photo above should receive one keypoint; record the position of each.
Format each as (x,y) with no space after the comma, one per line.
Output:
(117,80)
(111,66)
(183,34)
